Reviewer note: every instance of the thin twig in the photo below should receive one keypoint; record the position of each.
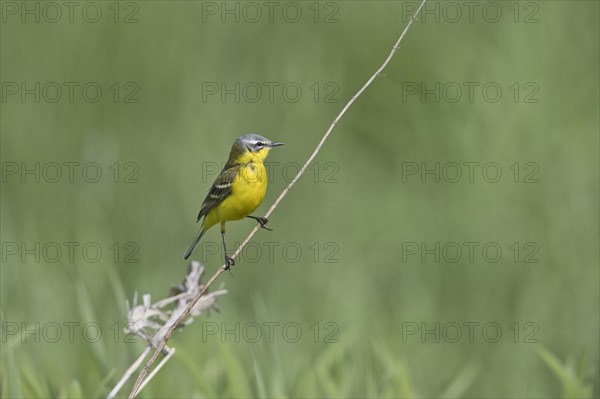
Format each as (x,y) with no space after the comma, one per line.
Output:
(129,372)
(157,368)
(182,316)
(150,320)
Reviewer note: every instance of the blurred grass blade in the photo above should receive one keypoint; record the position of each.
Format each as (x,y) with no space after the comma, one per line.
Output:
(204,380)
(461,383)
(260,382)
(34,385)
(11,379)
(117,287)
(73,390)
(395,371)
(573,384)
(87,314)
(236,375)
(103,387)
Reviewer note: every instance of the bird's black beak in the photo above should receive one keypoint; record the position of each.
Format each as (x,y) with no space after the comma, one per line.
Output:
(275,144)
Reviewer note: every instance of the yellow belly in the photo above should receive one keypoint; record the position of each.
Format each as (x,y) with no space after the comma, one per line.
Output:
(247,192)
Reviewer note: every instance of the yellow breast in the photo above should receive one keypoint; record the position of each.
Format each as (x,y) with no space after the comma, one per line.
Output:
(247,192)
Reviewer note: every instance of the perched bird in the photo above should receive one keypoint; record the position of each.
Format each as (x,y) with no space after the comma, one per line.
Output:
(238,190)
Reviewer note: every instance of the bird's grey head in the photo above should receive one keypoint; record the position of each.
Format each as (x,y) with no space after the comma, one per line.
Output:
(254,143)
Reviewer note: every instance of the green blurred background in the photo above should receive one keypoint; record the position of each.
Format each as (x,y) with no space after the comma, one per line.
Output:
(356,217)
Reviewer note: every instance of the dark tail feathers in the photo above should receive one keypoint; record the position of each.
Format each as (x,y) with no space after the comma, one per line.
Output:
(193,244)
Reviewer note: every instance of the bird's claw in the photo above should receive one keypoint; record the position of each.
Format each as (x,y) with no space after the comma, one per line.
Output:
(263,223)
(229,262)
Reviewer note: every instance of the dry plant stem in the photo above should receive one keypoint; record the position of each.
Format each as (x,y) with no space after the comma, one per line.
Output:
(183,315)
(152,320)
(129,372)
(169,332)
(157,368)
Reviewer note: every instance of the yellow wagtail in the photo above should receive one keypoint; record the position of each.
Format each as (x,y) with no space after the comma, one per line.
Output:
(238,190)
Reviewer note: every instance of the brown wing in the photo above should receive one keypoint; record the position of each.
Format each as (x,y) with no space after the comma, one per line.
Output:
(220,189)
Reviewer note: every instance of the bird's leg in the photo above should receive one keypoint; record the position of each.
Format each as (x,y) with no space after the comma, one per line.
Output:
(228,260)
(262,221)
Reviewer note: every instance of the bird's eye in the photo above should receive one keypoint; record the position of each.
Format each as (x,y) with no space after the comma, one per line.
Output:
(259,144)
